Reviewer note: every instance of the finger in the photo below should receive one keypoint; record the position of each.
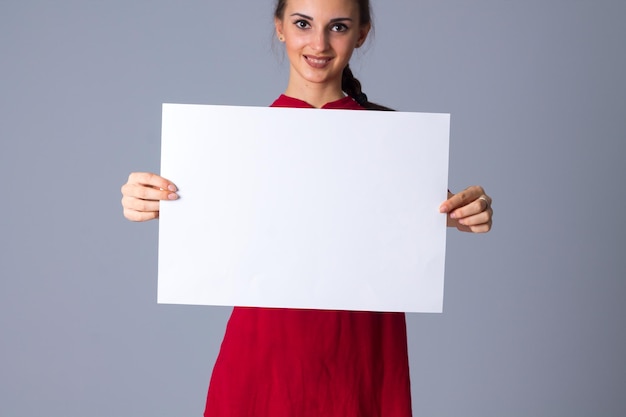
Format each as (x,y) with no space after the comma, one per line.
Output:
(483,217)
(475,207)
(138,216)
(480,228)
(138,204)
(477,225)
(461,199)
(153,180)
(147,193)
(486,201)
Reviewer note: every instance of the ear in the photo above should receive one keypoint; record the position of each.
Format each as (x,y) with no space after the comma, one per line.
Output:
(278,24)
(363,31)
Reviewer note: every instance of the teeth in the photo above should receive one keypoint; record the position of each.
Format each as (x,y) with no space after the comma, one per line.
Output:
(317,61)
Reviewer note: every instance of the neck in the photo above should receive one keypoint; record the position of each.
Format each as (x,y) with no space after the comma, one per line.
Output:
(313,93)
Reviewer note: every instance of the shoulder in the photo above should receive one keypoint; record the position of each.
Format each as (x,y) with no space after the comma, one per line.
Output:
(286,101)
(345,103)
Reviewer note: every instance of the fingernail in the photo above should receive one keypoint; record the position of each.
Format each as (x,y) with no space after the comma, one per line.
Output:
(172,196)
(453,215)
(172,187)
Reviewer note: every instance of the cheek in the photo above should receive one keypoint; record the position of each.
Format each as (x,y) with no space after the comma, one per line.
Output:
(291,49)
(290,41)
(346,47)
(297,41)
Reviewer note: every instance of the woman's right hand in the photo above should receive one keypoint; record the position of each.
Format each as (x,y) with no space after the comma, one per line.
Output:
(142,193)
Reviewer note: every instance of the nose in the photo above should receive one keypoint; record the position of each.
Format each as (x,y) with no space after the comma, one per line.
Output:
(319,42)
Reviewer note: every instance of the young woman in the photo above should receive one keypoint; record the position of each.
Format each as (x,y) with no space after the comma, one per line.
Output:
(291,362)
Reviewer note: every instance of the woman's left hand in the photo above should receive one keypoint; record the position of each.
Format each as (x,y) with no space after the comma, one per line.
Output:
(469,211)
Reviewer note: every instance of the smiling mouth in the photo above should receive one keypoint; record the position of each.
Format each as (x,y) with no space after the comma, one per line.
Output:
(317,62)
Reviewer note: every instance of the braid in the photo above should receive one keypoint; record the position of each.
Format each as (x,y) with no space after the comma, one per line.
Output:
(352,87)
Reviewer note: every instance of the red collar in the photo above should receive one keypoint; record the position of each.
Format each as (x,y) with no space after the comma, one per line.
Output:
(346,103)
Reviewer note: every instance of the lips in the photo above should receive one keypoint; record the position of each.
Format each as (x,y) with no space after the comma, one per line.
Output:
(317,61)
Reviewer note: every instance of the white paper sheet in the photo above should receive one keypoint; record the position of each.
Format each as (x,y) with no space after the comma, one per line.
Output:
(303,208)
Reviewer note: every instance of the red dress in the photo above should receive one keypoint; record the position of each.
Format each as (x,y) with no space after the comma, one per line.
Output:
(277,362)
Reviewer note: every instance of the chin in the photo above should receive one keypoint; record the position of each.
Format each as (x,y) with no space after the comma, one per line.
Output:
(321,78)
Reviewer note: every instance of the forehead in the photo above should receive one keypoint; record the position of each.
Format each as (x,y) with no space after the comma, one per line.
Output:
(323,8)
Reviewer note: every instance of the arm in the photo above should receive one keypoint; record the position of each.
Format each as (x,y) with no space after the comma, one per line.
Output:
(469,211)
(142,193)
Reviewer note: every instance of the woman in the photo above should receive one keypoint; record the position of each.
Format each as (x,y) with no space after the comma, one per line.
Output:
(290,362)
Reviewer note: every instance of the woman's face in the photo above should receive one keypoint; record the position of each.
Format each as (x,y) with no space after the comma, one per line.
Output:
(320,36)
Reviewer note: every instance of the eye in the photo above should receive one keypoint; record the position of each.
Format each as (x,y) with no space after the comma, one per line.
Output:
(339,27)
(302,24)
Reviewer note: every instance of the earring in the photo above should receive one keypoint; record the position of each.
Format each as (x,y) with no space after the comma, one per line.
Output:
(281,38)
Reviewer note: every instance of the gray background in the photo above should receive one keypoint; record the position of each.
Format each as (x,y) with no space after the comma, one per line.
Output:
(534,311)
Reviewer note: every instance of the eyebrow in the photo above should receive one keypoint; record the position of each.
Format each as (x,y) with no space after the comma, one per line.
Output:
(336,19)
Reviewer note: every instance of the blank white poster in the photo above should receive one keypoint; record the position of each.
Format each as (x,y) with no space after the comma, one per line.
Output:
(303,208)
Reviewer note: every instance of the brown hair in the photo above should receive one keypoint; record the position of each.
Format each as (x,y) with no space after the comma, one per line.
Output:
(349,84)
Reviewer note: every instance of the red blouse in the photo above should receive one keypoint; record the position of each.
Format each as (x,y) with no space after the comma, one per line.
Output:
(277,362)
